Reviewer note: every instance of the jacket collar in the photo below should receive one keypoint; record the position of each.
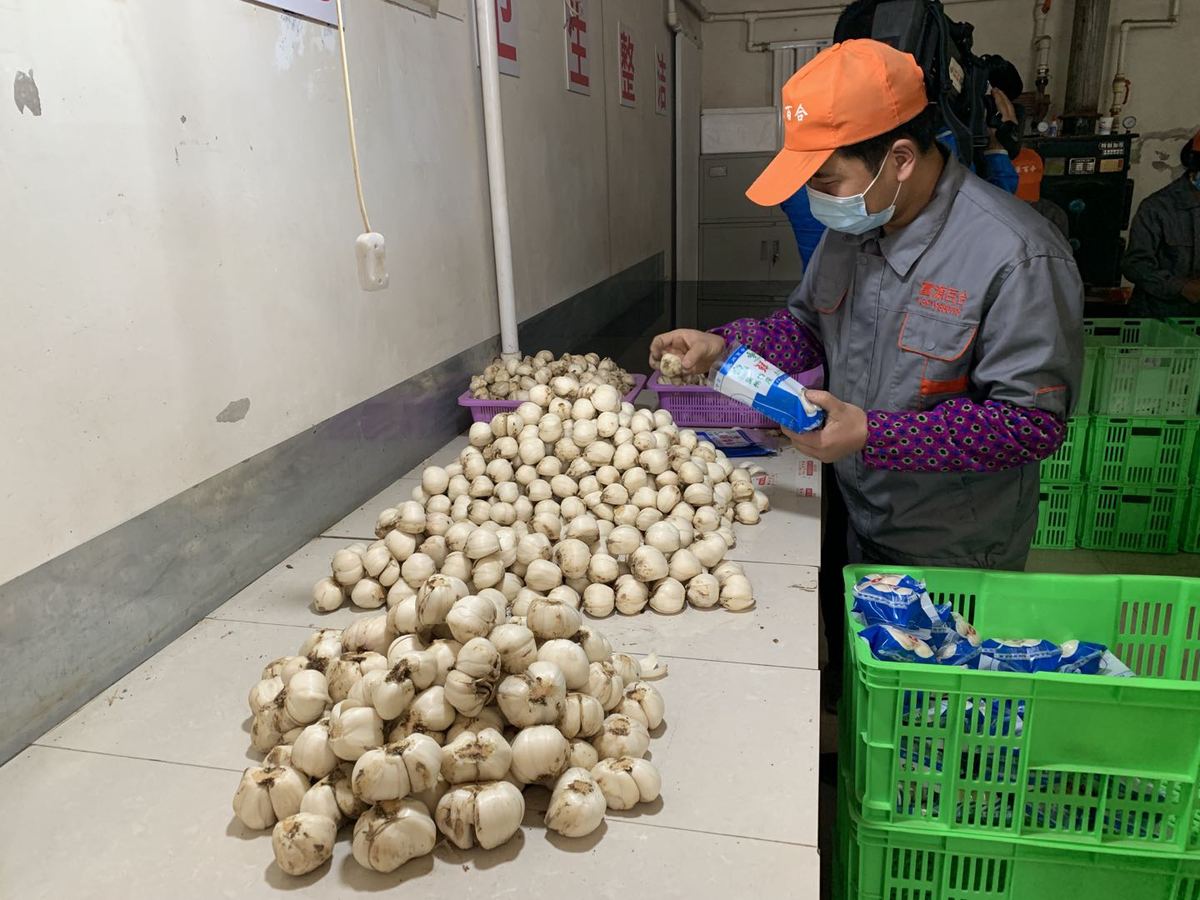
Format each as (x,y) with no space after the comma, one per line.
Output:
(1183,194)
(903,247)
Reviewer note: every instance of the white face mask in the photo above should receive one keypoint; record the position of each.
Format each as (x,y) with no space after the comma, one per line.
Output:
(849,214)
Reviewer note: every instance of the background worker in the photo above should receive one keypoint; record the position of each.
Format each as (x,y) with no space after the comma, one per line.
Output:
(1163,258)
(948,315)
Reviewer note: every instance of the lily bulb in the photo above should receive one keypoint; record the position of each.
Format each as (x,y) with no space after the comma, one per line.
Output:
(534,697)
(594,644)
(582,754)
(303,842)
(312,754)
(489,718)
(482,756)
(643,702)
(328,595)
(577,804)
(622,736)
(468,695)
(263,694)
(391,833)
(604,684)
(704,591)
(436,597)
(368,633)
(570,657)
(268,794)
(538,753)
(582,715)
(599,600)
(391,692)
(485,813)
(430,712)
(354,730)
(348,670)
(549,619)
(627,667)
(479,658)
(627,781)
(393,771)
(471,617)
(306,696)
(446,654)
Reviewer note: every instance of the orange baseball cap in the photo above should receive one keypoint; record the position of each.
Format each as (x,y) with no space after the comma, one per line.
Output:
(851,92)
(1030,171)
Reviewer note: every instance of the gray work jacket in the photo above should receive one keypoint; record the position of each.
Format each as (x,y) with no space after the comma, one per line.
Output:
(1164,250)
(978,297)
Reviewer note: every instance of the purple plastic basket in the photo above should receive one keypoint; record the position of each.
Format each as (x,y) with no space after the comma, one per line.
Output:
(693,405)
(485,410)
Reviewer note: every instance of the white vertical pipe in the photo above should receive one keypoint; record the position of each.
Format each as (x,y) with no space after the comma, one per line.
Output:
(489,74)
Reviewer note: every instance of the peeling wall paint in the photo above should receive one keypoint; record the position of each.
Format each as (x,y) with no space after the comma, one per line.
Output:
(299,35)
(235,411)
(25,93)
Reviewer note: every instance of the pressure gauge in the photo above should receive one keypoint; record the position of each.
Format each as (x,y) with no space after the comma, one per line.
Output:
(1129,123)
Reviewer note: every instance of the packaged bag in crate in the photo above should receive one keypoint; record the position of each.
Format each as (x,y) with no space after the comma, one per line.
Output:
(1056,759)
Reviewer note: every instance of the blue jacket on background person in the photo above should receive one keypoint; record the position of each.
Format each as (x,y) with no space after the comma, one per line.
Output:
(999,171)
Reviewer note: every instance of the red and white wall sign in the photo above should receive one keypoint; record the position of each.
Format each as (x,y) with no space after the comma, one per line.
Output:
(506,37)
(660,82)
(578,42)
(626,66)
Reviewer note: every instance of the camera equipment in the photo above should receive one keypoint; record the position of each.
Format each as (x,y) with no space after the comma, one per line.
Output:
(956,80)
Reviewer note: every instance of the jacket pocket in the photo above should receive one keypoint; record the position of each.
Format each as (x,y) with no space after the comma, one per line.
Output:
(935,360)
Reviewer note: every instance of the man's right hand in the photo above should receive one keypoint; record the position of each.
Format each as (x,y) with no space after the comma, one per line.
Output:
(1191,291)
(698,349)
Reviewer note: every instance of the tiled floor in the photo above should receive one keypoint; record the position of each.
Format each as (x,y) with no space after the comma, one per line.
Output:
(135,787)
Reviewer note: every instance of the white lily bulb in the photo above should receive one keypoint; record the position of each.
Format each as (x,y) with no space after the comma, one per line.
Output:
(446,654)
(538,753)
(703,591)
(594,644)
(391,833)
(577,804)
(599,600)
(303,842)
(605,684)
(582,715)
(485,813)
(482,756)
(346,671)
(470,617)
(534,697)
(468,695)
(436,597)
(516,645)
(549,619)
(263,694)
(643,702)
(265,795)
(479,658)
(622,735)
(627,667)
(328,595)
(354,730)
(306,696)
(571,658)
(582,754)
(311,753)
(489,718)
(393,771)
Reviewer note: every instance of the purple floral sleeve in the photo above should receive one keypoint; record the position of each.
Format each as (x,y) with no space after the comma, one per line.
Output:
(961,436)
(780,338)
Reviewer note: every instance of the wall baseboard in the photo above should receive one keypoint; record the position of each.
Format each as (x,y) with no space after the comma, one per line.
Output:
(79,622)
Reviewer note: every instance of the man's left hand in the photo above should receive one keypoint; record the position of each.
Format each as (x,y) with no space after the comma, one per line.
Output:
(844,433)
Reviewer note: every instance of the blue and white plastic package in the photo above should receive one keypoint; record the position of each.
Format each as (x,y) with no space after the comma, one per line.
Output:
(1023,656)
(895,645)
(749,379)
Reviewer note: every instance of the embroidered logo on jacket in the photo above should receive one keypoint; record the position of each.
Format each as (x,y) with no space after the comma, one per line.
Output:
(942,298)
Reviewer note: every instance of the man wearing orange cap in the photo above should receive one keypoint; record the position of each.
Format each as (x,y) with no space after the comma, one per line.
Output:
(1163,258)
(1030,171)
(948,314)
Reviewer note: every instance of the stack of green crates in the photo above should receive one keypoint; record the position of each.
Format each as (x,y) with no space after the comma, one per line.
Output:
(1189,538)
(1125,477)
(1002,786)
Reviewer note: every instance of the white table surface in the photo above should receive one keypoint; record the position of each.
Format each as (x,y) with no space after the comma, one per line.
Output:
(130,797)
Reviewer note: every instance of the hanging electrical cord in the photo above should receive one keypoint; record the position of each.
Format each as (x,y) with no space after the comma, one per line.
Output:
(362,203)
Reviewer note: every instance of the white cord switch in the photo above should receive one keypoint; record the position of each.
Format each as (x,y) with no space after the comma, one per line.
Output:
(372,261)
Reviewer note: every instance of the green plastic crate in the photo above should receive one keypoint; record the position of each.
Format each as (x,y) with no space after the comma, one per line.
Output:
(1067,464)
(1142,367)
(1059,506)
(1131,519)
(894,864)
(1057,760)
(1141,450)
(1189,537)
(1191,326)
